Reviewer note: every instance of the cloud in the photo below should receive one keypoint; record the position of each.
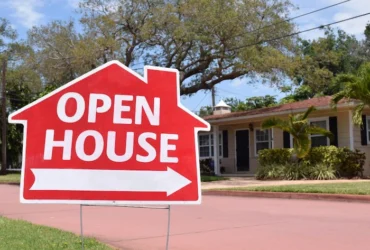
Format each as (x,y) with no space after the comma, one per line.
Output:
(26,11)
(350,9)
(237,82)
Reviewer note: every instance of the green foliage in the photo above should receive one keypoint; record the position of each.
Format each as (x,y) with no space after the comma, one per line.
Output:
(357,87)
(270,172)
(279,156)
(206,166)
(207,40)
(322,163)
(250,103)
(299,128)
(321,171)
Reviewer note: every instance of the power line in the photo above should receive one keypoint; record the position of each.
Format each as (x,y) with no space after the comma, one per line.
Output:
(300,32)
(230,92)
(206,94)
(302,15)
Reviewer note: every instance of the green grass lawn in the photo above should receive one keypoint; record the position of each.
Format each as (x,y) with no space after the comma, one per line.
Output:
(17,234)
(10,178)
(206,178)
(362,188)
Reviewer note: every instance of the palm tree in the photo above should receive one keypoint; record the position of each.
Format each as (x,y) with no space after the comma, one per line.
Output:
(357,87)
(300,129)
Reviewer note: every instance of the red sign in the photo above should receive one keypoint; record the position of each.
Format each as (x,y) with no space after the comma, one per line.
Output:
(111,137)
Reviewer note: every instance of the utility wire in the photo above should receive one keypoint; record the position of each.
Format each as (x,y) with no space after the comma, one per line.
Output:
(300,32)
(205,95)
(302,15)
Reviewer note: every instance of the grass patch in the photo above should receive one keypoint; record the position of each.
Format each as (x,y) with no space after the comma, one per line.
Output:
(361,188)
(206,178)
(17,234)
(10,178)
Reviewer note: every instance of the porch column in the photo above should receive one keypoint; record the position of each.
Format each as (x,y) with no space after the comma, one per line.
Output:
(351,139)
(216,150)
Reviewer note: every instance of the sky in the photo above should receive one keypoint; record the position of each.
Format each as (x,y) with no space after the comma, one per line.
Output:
(24,14)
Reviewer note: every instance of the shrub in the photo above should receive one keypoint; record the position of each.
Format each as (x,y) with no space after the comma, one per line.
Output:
(206,166)
(352,164)
(295,171)
(280,156)
(321,163)
(321,171)
(270,172)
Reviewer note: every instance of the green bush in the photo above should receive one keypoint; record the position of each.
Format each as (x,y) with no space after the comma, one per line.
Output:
(205,166)
(321,171)
(270,172)
(279,156)
(321,163)
(353,163)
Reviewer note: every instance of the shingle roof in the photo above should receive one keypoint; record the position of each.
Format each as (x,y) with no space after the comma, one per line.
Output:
(316,101)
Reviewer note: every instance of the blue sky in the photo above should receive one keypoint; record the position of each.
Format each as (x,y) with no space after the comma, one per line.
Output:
(23,14)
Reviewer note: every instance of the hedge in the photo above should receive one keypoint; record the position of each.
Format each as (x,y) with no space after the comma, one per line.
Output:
(321,163)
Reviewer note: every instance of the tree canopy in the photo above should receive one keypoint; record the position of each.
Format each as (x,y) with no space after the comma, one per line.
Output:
(208,41)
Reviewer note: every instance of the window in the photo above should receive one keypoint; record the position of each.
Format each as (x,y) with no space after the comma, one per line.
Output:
(263,139)
(368,129)
(206,145)
(316,139)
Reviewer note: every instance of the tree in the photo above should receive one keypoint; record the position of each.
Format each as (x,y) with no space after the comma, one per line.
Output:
(322,60)
(356,87)
(254,102)
(205,111)
(208,41)
(299,128)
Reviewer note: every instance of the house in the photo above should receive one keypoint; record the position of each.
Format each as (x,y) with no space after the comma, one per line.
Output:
(236,137)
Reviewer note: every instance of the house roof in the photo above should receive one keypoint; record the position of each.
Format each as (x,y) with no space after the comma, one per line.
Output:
(318,102)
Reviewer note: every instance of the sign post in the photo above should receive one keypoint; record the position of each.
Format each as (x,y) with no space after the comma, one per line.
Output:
(111,137)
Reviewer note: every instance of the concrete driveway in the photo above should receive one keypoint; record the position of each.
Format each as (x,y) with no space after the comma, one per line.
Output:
(219,223)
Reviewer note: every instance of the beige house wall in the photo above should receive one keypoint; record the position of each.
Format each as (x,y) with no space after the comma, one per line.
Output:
(229,163)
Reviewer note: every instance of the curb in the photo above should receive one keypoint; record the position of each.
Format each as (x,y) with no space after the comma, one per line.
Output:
(10,183)
(283,195)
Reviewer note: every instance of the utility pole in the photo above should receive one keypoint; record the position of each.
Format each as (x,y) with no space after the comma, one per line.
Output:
(3,117)
(213,96)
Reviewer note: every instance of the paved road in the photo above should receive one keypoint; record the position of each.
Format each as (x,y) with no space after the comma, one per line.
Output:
(219,223)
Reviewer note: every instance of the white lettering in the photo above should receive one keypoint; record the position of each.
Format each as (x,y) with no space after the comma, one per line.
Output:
(93,106)
(111,152)
(147,147)
(165,147)
(61,107)
(66,144)
(80,145)
(142,104)
(119,108)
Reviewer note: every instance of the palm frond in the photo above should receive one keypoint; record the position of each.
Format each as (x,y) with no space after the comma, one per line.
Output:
(308,112)
(275,123)
(357,114)
(318,130)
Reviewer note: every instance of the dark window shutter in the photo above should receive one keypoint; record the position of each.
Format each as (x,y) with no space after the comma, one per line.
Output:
(333,127)
(225,144)
(364,131)
(286,139)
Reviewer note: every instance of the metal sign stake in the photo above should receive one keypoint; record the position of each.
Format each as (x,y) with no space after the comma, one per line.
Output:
(81,227)
(168,226)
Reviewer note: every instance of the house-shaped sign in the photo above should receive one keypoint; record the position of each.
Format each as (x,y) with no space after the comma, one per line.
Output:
(111,137)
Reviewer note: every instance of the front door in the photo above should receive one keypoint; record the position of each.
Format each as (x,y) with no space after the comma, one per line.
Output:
(242,150)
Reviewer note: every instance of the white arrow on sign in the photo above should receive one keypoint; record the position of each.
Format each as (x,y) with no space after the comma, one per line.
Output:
(168,181)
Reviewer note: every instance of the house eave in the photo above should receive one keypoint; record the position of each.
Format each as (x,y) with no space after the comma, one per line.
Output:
(285,112)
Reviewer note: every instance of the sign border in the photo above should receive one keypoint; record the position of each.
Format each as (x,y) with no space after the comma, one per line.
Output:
(103,202)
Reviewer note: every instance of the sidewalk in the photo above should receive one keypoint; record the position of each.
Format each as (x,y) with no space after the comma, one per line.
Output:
(235,182)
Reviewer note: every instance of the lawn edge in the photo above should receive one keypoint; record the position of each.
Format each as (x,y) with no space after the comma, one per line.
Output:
(289,195)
